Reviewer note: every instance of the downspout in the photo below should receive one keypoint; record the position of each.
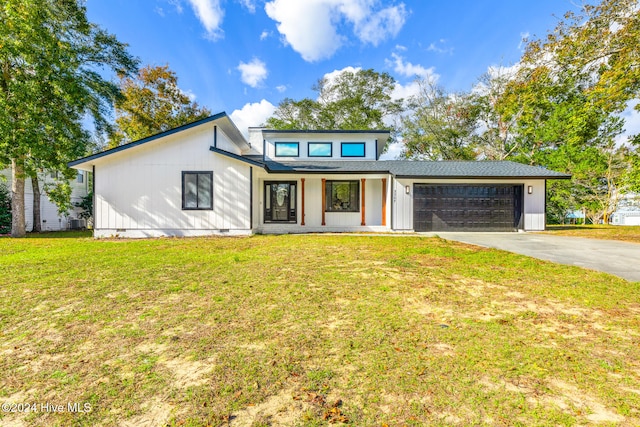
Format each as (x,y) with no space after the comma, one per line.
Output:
(215,136)
(251,198)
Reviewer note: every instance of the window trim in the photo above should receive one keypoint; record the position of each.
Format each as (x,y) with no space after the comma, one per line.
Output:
(291,218)
(275,147)
(364,148)
(329,192)
(330,144)
(197,208)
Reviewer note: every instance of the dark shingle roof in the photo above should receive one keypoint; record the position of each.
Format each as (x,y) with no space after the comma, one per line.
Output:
(420,169)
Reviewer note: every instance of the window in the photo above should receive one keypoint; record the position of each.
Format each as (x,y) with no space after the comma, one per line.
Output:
(287,149)
(280,201)
(320,149)
(197,190)
(80,177)
(342,196)
(352,149)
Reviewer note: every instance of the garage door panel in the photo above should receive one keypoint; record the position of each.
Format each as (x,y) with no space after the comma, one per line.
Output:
(491,207)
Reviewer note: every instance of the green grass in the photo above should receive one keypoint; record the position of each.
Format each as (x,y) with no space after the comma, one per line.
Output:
(624,233)
(312,331)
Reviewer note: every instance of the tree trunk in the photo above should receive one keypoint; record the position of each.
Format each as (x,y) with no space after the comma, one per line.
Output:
(37,220)
(17,199)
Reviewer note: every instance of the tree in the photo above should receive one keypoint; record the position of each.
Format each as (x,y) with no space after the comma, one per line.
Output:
(439,126)
(354,99)
(566,102)
(152,103)
(50,59)
(5,209)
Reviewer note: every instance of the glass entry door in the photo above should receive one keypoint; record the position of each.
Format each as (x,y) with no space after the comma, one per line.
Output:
(280,201)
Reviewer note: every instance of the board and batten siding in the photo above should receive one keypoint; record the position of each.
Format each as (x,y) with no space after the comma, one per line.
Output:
(534,203)
(139,190)
(335,221)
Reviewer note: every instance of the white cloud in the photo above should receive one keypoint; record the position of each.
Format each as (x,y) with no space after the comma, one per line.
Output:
(253,114)
(381,25)
(393,151)
(264,34)
(631,118)
(440,47)
(407,69)
(253,73)
(281,88)
(370,24)
(210,14)
(524,39)
(307,26)
(250,5)
(176,4)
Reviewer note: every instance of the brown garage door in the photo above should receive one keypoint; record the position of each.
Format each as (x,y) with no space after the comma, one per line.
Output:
(482,207)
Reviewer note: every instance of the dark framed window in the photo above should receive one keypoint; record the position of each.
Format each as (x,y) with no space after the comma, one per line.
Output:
(280,201)
(80,177)
(342,196)
(352,149)
(320,149)
(197,190)
(287,149)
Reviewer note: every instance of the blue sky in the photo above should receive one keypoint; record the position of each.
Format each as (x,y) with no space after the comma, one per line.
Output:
(245,56)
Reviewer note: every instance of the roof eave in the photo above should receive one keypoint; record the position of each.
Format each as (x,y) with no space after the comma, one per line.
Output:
(227,126)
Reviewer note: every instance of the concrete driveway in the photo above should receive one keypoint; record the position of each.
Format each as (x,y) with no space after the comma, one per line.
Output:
(618,258)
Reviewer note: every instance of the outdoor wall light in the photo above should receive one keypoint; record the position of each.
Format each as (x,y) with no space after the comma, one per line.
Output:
(407,189)
(530,189)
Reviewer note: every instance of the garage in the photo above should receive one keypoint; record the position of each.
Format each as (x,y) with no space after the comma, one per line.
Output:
(464,207)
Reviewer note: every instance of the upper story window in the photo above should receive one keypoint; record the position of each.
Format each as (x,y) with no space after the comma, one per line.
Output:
(352,149)
(197,190)
(320,149)
(287,149)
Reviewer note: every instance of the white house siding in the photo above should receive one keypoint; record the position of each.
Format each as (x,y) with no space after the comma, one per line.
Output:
(335,221)
(534,203)
(139,190)
(51,219)
(303,140)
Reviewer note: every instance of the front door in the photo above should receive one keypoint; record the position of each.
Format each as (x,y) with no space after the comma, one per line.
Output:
(280,201)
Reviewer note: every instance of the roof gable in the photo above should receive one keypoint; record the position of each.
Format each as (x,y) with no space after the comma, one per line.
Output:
(220,119)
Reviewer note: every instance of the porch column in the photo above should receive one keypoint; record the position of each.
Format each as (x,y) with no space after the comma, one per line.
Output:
(324,199)
(302,183)
(363,183)
(384,200)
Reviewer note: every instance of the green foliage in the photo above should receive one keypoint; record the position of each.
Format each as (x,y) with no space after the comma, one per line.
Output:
(566,102)
(359,99)
(60,194)
(86,204)
(152,103)
(51,59)
(440,126)
(5,209)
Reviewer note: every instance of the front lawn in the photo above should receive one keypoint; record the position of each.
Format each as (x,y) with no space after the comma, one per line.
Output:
(310,331)
(626,233)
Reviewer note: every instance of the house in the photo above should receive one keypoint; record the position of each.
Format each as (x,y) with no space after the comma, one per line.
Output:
(206,178)
(51,219)
(628,210)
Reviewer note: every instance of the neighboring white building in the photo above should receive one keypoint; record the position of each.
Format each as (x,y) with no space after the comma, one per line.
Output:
(51,220)
(628,211)
(205,178)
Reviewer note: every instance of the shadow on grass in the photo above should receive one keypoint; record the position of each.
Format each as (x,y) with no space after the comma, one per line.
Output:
(60,234)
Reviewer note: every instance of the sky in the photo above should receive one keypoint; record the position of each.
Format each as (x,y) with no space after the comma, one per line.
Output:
(245,56)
